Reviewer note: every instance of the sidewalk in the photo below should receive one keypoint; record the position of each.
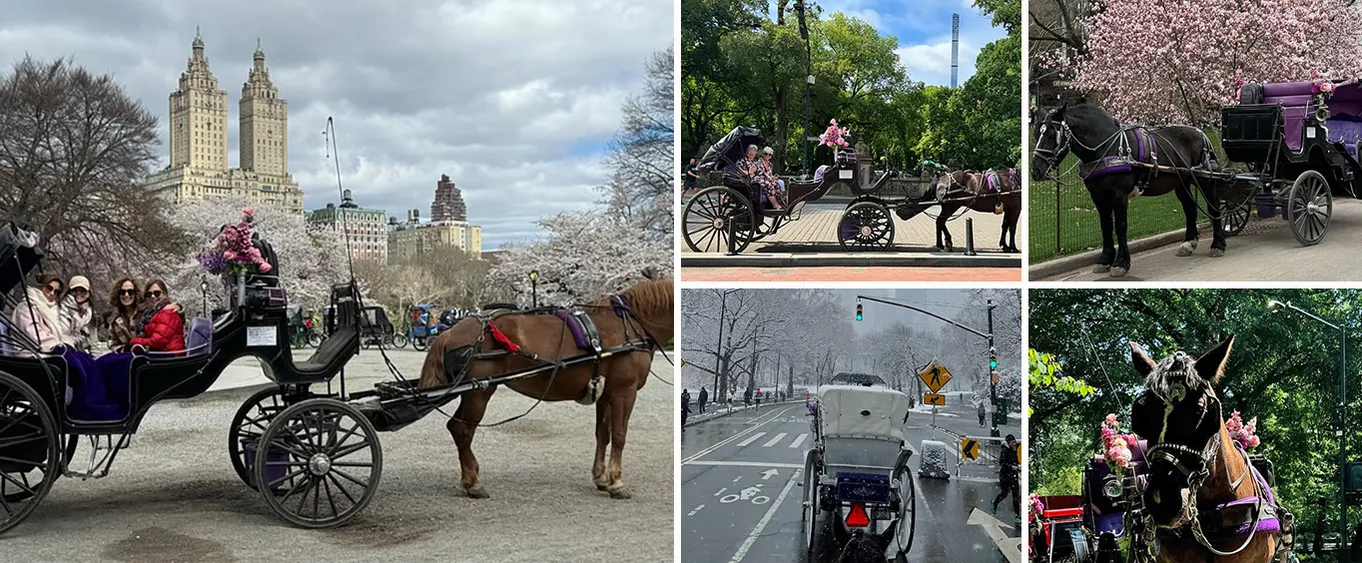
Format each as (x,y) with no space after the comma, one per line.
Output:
(719,412)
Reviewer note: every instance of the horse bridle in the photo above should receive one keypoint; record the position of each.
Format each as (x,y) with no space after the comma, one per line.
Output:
(1052,156)
(1196,475)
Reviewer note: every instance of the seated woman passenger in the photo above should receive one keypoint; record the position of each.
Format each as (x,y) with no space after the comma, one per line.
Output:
(125,300)
(160,327)
(772,187)
(76,314)
(38,317)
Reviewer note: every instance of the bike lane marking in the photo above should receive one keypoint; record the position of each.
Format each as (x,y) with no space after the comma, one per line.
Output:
(765,519)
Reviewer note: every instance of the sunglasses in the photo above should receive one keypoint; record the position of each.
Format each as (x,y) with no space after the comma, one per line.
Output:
(54,288)
(127,292)
(154,294)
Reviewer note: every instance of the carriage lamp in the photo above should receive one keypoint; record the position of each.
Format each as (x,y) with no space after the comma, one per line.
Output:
(203,289)
(534,289)
(810,80)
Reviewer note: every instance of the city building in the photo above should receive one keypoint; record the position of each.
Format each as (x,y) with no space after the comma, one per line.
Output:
(367,229)
(198,140)
(448,204)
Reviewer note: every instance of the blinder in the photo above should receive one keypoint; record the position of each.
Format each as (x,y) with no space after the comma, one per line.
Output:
(1187,453)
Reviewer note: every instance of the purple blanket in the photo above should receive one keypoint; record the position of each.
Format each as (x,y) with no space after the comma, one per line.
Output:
(99,386)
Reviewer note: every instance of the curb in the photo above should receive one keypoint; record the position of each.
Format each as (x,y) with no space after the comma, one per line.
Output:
(1049,268)
(787,260)
(693,421)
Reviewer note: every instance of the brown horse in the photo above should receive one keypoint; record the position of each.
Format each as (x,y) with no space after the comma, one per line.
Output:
(971,189)
(650,306)
(1196,471)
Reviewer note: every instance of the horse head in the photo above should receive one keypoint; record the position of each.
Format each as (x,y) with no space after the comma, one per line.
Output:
(1051,136)
(1179,414)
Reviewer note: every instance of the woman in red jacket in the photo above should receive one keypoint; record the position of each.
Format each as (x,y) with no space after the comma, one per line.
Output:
(160,328)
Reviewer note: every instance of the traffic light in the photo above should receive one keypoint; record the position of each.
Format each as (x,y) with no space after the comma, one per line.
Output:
(859,313)
(992,359)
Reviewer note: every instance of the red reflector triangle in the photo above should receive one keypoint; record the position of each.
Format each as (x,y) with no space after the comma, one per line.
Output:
(858,518)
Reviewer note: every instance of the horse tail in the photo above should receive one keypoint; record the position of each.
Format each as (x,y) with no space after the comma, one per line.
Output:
(432,371)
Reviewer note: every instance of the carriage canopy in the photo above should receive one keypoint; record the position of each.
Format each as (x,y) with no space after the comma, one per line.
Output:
(729,149)
(19,255)
(863,412)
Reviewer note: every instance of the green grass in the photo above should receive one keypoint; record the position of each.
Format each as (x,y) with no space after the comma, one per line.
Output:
(1078,226)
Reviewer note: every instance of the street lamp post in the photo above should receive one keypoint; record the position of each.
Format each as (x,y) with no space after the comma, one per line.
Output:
(1274,306)
(534,289)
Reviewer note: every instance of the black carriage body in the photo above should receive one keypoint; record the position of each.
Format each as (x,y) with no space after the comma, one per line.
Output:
(258,328)
(1288,131)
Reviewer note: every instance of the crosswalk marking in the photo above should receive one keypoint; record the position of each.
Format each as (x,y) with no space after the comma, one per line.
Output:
(772,442)
(799,440)
(753,438)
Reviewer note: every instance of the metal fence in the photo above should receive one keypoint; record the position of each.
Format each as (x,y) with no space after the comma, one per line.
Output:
(1063,219)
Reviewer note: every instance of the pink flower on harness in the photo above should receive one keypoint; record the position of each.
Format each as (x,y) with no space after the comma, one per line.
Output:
(833,136)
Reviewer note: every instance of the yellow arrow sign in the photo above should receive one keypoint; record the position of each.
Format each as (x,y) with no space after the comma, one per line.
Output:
(934,375)
(934,399)
(969,449)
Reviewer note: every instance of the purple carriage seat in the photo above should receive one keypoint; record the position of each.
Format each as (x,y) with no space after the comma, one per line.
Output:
(98,389)
(818,174)
(1114,523)
(200,338)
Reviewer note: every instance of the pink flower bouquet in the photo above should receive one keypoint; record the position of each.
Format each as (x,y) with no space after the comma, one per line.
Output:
(232,253)
(1320,86)
(1244,433)
(1116,447)
(1037,507)
(833,136)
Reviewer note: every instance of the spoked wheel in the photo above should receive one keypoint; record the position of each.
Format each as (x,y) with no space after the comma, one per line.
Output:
(323,463)
(249,423)
(30,450)
(314,339)
(366,342)
(400,341)
(418,343)
(1309,207)
(811,508)
(1234,219)
(907,514)
(866,226)
(707,217)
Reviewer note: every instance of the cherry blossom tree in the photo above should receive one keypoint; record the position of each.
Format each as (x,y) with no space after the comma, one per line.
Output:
(311,259)
(1174,61)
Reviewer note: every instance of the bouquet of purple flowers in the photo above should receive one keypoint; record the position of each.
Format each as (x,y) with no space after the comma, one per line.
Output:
(232,253)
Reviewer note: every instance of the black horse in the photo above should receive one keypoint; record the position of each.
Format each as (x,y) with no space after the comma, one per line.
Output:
(1117,163)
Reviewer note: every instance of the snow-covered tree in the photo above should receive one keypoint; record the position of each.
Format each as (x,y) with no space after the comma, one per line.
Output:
(311,259)
(1173,61)
(643,156)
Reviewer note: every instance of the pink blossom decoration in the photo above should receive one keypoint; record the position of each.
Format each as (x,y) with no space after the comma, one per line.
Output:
(833,136)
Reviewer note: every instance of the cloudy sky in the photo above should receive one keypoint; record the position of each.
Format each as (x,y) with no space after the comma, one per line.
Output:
(514,99)
(923,28)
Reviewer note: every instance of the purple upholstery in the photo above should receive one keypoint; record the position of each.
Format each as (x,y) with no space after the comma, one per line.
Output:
(818,174)
(1273,90)
(1346,131)
(99,386)
(200,340)
(1114,523)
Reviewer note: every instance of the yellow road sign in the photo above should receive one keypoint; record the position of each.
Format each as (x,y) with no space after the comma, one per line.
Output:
(934,399)
(934,375)
(969,449)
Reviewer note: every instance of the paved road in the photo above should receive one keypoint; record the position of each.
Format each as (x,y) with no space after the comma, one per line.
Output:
(1265,251)
(858,274)
(173,496)
(765,451)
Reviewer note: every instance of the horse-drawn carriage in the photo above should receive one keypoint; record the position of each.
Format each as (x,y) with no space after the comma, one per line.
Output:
(377,330)
(312,454)
(1301,144)
(732,213)
(856,474)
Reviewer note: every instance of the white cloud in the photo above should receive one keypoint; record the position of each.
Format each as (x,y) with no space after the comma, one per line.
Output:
(514,99)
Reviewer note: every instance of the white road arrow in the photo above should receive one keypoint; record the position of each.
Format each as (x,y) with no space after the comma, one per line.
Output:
(768,473)
(749,492)
(1010,547)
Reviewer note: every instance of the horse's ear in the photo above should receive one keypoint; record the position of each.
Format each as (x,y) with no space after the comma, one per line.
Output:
(1211,365)
(885,537)
(1058,114)
(1142,363)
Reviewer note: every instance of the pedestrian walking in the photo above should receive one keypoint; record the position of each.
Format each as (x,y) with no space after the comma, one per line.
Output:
(982,413)
(685,408)
(1009,470)
(732,398)
(704,398)
(747,397)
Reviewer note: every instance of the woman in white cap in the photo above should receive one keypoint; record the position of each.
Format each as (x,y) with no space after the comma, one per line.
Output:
(76,314)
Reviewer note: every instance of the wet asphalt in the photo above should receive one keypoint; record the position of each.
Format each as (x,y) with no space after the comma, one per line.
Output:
(742,492)
(173,496)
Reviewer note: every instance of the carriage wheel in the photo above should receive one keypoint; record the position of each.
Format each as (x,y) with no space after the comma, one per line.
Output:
(400,341)
(30,450)
(366,342)
(314,339)
(708,214)
(811,509)
(419,343)
(1235,218)
(907,514)
(1309,207)
(249,423)
(328,467)
(866,226)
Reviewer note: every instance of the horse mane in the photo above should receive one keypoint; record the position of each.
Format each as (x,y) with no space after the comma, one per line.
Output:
(650,298)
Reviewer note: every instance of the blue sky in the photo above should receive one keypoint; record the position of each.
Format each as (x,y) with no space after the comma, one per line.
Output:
(923,29)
